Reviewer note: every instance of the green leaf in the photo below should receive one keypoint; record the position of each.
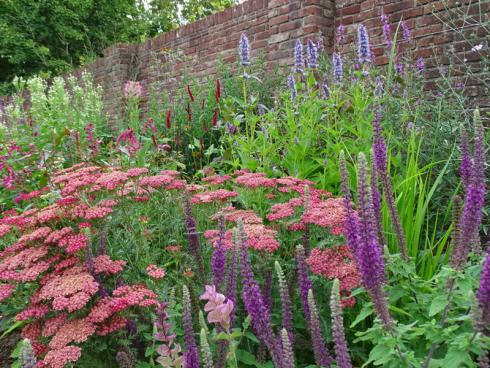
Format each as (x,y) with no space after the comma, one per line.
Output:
(365,312)
(457,359)
(437,305)
(247,358)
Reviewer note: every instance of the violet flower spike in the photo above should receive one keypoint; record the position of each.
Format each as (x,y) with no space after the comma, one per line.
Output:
(340,35)
(312,59)
(380,160)
(322,357)
(244,50)
(299,62)
(386,31)
(369,254)
(376,199)
(287,351)
(191,355)
(474,200)
(304,281)
(364,48)
(292,87)
(483,293)
(405,31)
(254,303)
(193,238)
(342,356)
(218,258)
(337,67)
(351,222)
(287,314)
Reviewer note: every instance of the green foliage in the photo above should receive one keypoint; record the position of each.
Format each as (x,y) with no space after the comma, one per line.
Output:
(51,37)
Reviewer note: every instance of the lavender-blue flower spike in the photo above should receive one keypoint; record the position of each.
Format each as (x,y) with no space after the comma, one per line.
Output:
(337,67)
(299,62)
(312,55)
(244,50)
(364,48)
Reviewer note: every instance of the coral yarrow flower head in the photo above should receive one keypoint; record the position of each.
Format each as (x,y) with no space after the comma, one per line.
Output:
(155,272)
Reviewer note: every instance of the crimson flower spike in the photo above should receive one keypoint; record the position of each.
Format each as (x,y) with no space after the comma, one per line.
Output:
(190,93)
(169,114)
(217,94)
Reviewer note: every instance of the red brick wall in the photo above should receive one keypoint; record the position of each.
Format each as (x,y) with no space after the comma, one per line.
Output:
(273,26)
(432,24)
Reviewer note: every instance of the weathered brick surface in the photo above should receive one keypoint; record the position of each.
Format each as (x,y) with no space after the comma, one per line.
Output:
(432,37)
(273,27)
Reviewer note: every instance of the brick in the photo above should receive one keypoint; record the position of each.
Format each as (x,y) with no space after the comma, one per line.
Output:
(353,9)
(279,20)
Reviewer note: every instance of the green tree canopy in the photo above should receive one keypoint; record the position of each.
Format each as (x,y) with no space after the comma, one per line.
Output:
(53,36)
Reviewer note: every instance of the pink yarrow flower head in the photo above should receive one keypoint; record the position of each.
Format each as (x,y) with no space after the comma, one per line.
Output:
(155,272)
(133,89)
(218,307)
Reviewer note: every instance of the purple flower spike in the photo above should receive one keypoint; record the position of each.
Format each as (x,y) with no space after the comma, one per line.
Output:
(287,351)
(370,257)
(483,294)
(304,281)
(351,222)
(193,238)
(420,64)
(191,354)
(364,48)
(363,241)
(386,31)
(299,62)
(342,356)
(380,160)
(337,67)
(312,55)
(405,31)
(244,50)
(340,35)
(218,259)
(287,314)
(255,305)
(322,357)
(471,216)
(292,87)
(376,197)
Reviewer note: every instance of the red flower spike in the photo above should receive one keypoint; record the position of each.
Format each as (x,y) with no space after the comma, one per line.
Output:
(168,119)
(217,94)
(190,92)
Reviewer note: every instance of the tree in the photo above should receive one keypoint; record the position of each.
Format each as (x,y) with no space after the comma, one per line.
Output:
(53,36)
